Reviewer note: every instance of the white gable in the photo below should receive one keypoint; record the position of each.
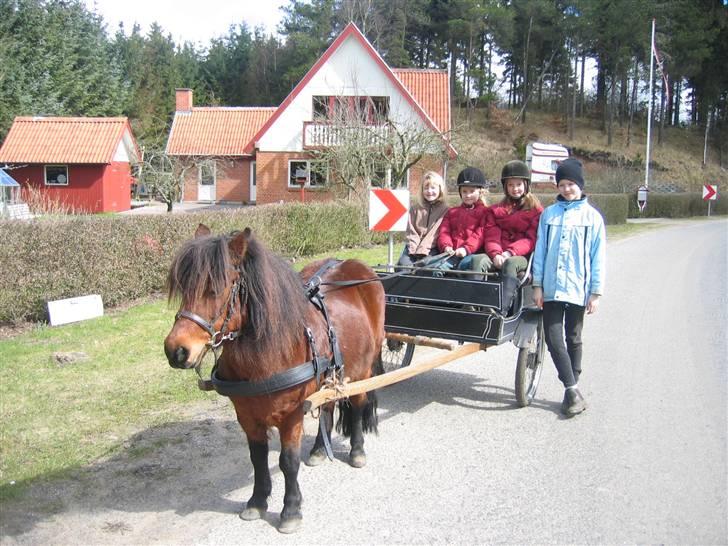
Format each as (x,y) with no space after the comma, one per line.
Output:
(125,151)
(350,70)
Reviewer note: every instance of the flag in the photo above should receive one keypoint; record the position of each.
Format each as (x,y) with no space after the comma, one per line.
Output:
(660,65)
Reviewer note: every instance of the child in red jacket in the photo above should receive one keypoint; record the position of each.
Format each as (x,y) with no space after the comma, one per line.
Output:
(461,231)
(510,230)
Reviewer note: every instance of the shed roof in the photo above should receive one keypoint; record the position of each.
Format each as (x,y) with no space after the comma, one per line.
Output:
(7,180)
(66,140)
(221,131)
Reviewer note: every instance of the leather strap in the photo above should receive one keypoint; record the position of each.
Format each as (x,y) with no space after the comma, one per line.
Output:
(281,381)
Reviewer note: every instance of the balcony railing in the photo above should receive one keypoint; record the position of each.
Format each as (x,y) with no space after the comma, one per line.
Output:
(318,134)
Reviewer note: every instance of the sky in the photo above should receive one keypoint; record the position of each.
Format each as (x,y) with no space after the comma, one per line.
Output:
(185,20)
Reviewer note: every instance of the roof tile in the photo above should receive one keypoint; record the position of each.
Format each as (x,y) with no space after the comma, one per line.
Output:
(222,131)
(430,89)
(62,140)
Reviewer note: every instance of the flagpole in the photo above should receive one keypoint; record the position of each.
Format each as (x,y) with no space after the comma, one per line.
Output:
(649,108)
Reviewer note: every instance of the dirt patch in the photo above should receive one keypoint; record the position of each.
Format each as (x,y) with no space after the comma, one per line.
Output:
(180,468)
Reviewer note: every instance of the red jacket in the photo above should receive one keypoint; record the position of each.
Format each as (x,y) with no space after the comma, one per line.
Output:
(512,230)
(463,227)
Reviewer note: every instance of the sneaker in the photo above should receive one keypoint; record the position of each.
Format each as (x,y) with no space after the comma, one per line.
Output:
(573,402)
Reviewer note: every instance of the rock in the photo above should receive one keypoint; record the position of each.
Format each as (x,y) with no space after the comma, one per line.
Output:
(71,357)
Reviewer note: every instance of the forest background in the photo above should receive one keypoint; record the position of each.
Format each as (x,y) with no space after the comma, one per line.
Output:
(532,56)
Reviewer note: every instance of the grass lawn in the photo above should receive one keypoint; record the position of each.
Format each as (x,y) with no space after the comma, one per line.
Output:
(55,418)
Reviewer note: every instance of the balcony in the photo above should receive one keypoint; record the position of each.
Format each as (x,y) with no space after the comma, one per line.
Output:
(317,134)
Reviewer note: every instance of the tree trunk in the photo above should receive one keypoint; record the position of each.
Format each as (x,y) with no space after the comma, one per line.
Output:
(611,107)
(581,85)
(624,86)
(601,91)
(661,124)
(635,79)
(525,70)
(678,95)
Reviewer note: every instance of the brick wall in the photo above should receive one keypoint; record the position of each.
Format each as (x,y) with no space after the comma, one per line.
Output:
(232,181)
(272,180)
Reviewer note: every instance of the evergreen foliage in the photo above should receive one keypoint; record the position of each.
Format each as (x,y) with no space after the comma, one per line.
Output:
(59,58)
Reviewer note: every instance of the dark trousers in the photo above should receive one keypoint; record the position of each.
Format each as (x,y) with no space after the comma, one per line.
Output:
(563,321)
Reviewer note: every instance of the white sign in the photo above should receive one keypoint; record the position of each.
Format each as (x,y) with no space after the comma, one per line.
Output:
(75,309)
(388,210)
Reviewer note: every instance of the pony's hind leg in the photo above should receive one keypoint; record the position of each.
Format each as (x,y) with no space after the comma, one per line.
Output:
(357,416)
(257,505)
(318,451)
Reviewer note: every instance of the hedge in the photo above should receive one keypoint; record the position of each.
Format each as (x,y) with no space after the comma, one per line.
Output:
(676,205)
(127,257)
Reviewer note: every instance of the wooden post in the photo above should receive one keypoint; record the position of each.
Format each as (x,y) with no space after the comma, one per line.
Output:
(365,385)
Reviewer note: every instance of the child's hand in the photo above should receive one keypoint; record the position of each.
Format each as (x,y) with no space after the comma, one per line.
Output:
(449,250)
(593,304)
(499,260)
(538,296)
(461,252)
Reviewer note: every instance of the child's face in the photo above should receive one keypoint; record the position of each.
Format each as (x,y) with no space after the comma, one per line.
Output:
(515,187)
(569,190)
(469,195)
(430,191)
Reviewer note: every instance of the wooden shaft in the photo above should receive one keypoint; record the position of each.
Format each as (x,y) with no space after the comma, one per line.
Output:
(422,340)
(358,387)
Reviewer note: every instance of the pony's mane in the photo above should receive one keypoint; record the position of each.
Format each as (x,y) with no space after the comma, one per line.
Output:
(276,303)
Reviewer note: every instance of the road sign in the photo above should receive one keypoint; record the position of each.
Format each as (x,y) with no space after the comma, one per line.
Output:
(710,192)
(388,210)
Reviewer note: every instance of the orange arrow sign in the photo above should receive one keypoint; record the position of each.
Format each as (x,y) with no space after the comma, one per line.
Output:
(393,212)
(710,192)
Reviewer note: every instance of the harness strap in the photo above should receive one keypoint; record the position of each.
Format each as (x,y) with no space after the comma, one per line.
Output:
(279,382)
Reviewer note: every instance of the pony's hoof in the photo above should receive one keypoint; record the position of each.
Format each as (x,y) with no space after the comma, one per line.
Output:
(252,513)
(358,460)
(316,458)
(290,525)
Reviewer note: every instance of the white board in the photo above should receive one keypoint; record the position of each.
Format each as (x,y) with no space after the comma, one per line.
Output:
(75,309)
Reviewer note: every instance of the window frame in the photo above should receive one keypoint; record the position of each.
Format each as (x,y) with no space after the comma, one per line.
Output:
(45,175)
(292,185)
(212,165)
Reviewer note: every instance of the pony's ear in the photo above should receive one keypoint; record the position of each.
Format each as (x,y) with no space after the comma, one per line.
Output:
(202,230)
(239,243)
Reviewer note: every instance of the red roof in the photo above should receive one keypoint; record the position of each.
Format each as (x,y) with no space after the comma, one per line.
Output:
(431,89)
(64,140)
(215,130)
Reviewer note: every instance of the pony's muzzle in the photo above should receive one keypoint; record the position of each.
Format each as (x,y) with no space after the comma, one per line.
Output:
(178,357)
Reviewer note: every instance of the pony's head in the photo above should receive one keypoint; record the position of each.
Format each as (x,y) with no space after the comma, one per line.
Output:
(207,277)
(231,287)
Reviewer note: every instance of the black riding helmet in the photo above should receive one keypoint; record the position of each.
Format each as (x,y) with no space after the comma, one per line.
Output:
(516,169)
(471,177)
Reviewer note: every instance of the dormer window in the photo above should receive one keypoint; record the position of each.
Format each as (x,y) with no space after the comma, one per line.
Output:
(341,109)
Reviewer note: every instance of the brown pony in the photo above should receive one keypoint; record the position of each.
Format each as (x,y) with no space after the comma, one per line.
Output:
(237,294)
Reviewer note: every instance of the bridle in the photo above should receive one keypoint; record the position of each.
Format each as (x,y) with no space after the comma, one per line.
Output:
(238,293)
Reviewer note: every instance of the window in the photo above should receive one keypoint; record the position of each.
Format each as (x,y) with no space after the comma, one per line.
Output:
(313,172)
(369,110)
(56,175)
(208,173)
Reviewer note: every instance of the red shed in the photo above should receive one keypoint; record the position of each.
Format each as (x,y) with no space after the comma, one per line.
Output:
(84,163)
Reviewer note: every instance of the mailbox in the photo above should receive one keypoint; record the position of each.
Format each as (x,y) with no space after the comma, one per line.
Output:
(642,197)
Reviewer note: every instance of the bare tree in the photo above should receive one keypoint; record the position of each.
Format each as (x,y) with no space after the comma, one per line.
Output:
(359,144)
(164,175)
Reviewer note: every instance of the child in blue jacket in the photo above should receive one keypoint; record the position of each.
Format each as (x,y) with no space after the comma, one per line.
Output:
(569,266)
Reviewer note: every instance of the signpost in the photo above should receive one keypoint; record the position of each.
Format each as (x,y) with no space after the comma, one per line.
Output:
(710,193)
(388,212)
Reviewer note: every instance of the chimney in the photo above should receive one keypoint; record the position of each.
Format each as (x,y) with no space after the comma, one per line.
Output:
(183,100)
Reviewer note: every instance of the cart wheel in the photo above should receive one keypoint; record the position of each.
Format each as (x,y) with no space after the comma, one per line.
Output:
(529,367)
(396,354)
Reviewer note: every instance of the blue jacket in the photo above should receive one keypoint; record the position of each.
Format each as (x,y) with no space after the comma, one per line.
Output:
(569,260)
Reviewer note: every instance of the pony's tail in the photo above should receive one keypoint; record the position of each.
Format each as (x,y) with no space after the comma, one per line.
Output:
(369,418)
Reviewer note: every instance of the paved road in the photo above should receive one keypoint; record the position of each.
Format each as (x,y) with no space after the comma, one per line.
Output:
(457,462)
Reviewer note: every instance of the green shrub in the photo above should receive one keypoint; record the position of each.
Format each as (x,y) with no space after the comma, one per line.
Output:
(613,206)
(127,257)
(676,205)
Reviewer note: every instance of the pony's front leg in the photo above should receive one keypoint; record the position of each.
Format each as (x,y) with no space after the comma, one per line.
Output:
(258,503)
(289,462)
